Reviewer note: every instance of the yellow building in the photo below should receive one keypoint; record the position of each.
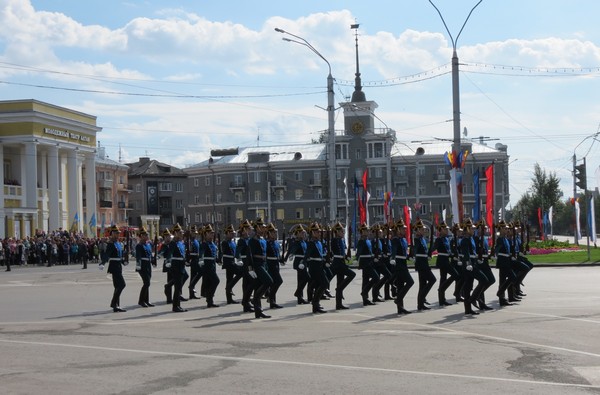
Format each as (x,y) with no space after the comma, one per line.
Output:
(48,153)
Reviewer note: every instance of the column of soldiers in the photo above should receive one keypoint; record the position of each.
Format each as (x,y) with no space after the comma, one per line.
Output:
(319,255)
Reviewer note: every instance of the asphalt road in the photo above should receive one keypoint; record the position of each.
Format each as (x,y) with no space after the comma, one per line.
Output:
(58,336)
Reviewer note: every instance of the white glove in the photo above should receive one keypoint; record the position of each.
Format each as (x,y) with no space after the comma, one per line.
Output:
(459,263)
(301,266)
(470,268)
(480,261)
(327,265)
(101,266)
(393,262)
(252,273)
(124,263)
(168,264)
(239,262)
(138,266)
(201,263)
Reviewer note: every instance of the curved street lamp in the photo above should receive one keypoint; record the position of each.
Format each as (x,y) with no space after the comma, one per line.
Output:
(331,123)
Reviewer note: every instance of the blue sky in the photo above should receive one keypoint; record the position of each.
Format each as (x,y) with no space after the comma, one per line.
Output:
(174,79)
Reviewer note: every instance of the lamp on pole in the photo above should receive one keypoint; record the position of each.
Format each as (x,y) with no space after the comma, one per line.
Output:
(331,124)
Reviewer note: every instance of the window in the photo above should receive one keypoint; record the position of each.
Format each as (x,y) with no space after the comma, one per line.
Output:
(219,216)
(257,196)
(358,174)
(196,182)
(299,213)
(319,193)
(279,179)
(279,195)
(318,212)
(238,197)
(401,191)
(317,176)
(421,170)
(441,171)
(299,193)
(178,187)
(339,193)
(279,214)
(378,192)
(298,176)
(341,151)
(239,215)
(421,190)
(442,189)
(196,199)
(121,180)
(357,154)
(375,150)
(206,199)
(207,181)
(237,180)
(179,203)
(378,172)
(218,198)
(218,180)
(197,218)
(401,171)
(257,177)
(138,188)
(165,186)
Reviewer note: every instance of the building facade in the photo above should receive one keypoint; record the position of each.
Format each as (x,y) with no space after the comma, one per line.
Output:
(48,155)
(113,191)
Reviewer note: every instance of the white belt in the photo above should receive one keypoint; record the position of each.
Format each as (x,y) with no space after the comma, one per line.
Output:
(176,259)
(422,256)
(209,258)
(503,254)
(298,256)
(315,259)
(115,259)
(443,254)
(228,256)
(339,256)
(272,258)
(242,256)
(144,259)
(400,256)
(194,254)
(474,256)
(521,254)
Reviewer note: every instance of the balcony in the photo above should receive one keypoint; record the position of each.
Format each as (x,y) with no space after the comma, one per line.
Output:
(279,185)
(106,204)
(105,184)
(440,179)
(315,183)
(123,205)
(124,187)
(237,186)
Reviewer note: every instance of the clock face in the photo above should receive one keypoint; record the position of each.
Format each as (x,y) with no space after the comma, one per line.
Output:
(357,127)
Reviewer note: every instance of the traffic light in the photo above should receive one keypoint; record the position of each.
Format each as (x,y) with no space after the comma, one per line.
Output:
(580,176)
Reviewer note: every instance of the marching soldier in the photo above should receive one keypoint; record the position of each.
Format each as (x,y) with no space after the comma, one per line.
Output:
(457,261)
(233,272)
(364,255)
(448,272)
(381,251)
(507,276)
(210,254)
(343,273)
(315,258)
(114,257)
(194,261)
(244,261)
(273,259)
(297,250)
(522,266)
(484,265)
(426,276)
(143,265)
(167,238)
(399,258)
(176,251)
(472,269)
(258,270)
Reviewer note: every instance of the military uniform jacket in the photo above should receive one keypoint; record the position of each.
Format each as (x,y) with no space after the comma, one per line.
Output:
(143,255)
(242,252)
(386,249)
(258,251)
(228,254)
(421,254)
(273,253)
(315,256)
(297,249)
(209,254)
(399,250)
(364,253)
(503,256)
(114,256)
(444,251)
(376,247)
(195,253)
(468,250)
(176,253)
(338,250)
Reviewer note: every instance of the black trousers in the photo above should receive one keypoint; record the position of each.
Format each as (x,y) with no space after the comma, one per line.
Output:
(426,281)
(119,285)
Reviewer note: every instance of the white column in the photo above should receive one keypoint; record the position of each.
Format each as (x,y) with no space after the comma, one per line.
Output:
(54,210)
(2,214)
(90,187)
(72,188)
(43,180)
(31,175)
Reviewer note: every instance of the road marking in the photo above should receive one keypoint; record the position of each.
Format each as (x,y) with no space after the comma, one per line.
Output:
(553,316)
(304,364)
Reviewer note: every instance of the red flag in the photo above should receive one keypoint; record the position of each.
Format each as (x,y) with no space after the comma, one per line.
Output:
(489,191)
(540,222)
(363,206)
(407,222)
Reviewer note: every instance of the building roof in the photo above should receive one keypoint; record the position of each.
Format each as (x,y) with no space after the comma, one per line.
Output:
(151,167)
(103,160)
(436,148)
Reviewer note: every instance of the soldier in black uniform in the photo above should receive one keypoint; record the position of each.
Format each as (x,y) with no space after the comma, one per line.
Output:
(472,269)
(258,270)
(114,258)
(457,261)
(426,276)
(364,256)
(399,258)
(273,260)
(503,262)
(233,272)
(381,250)
(315,258)
(481,241)
(448,272)
(340,269)
(176,253)
(195,258)
(296,250)
(143,265)
(210,254)
(244,261)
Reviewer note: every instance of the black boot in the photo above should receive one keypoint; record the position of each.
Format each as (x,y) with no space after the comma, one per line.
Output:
(168,294)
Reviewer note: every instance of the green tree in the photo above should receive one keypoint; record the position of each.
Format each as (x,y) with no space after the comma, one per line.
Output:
(543,193)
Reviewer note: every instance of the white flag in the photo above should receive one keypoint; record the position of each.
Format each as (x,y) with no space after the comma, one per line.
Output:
(577,224)
(454,196)
(592,220)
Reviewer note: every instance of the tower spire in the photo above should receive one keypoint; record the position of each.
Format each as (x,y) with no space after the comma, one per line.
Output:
(358,95)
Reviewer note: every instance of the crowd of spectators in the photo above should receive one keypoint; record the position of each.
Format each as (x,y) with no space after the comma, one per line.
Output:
(51,248)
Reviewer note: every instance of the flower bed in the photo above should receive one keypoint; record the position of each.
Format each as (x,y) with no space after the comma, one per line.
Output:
(552,250)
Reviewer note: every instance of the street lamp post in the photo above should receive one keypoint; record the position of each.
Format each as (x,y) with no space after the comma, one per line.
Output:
(330,126)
